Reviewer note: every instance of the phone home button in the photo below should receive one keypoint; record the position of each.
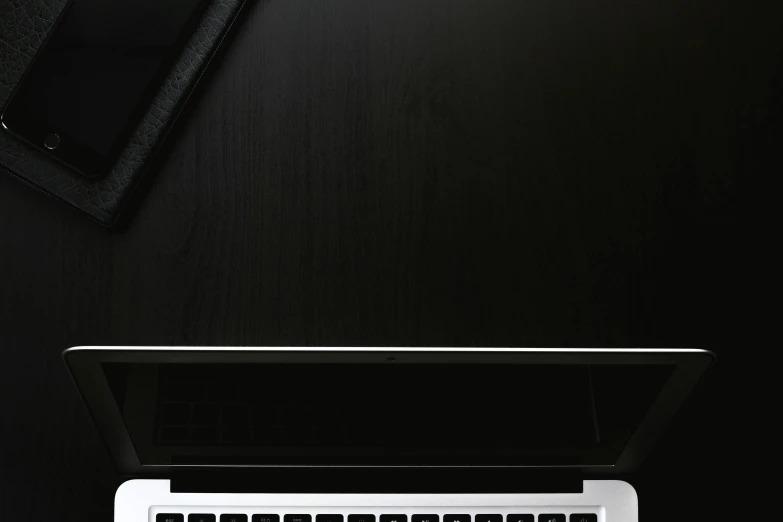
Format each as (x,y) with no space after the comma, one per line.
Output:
(52,141)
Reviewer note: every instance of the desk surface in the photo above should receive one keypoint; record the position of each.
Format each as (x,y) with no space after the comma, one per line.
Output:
(411,172)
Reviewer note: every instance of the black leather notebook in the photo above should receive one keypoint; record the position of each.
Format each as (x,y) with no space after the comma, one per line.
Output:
(24,26)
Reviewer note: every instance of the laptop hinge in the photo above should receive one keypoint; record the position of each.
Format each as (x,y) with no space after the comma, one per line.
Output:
(377,480)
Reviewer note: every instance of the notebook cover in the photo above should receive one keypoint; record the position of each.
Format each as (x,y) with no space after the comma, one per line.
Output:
(24,26)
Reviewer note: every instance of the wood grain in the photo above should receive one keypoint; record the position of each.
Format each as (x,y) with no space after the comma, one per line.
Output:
(411,172)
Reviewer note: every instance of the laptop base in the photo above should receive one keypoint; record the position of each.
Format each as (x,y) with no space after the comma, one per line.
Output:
(142,500)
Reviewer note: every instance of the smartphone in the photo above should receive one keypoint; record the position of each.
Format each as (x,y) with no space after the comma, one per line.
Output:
(94,77)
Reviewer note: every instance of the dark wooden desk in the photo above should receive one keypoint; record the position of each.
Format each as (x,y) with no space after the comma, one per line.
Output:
(410,172)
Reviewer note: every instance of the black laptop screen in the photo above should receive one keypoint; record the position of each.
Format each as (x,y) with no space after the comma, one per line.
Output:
(382,414)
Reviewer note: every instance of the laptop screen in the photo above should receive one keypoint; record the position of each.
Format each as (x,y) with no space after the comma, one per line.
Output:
(382,414)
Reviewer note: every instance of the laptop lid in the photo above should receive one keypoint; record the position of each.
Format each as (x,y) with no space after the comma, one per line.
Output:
(165,409)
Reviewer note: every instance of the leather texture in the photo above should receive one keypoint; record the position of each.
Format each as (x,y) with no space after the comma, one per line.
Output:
(24,26)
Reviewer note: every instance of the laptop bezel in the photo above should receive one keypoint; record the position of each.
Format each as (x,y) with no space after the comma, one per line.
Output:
(85,363)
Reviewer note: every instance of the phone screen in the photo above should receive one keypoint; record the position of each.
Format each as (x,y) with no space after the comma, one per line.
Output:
(90,83)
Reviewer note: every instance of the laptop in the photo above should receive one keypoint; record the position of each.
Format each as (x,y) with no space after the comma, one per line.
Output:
(279,434)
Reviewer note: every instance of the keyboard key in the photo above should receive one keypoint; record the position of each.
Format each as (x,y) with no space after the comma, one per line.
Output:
(297,518)
(235,415)
(394,518)
(583,517)
(455,518)
(175,413)
(489,518)
(328,518)
(233,517)
(520,518)
(235,434)
(266,518)
(361,518)
(173,434)
(201,517)
(204,433)
(425,518)
(301,435)
(551,518)
(264,435)
(169,517)
(206,414)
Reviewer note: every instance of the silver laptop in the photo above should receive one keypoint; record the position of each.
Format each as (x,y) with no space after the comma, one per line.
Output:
(380,434)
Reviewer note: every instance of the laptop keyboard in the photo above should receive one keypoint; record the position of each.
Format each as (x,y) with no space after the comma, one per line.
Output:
(261,517)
